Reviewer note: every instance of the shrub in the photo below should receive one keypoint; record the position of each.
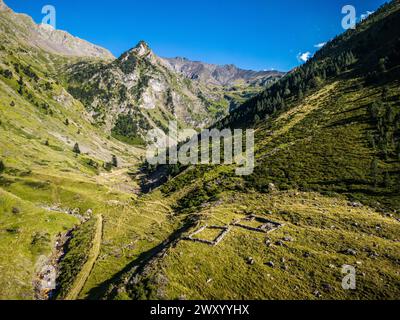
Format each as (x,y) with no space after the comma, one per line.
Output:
(114,161)
(76,149)
(107,166)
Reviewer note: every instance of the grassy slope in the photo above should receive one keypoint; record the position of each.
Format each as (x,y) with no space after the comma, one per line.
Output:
(323,226)
(319,226)
(19,253)
(318,149)
(94,250)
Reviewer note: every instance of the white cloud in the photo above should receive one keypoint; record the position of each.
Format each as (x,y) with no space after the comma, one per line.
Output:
(304,57)
(319,45)
(366,15)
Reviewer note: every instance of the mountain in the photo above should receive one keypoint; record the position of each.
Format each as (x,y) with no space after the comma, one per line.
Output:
(227,75)
(137,91)
(20,26)
(58,168)
(327,164)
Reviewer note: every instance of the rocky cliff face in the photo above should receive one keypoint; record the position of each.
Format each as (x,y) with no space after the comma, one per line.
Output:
(62,42)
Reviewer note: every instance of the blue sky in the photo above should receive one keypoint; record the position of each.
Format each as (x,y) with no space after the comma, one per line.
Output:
(252,34)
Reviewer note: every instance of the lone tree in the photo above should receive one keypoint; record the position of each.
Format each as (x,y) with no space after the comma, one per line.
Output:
(114,161)
(76,149)
(2,166)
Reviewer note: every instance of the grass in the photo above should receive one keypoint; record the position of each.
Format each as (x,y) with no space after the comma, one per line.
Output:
(39,174)
(209,234)
(27,234)
(318,151)
(320,226)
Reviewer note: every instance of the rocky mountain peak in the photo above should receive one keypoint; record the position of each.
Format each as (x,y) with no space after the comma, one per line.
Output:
(142,49)
(141,52)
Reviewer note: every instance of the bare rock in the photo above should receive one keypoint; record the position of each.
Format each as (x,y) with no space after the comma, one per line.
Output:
(350,252)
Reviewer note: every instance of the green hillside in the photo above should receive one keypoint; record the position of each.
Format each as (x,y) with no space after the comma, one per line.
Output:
(41,177)
(326,182)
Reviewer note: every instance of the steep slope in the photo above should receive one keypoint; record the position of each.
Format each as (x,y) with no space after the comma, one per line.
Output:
(21,27)
(45,187)
(327,169)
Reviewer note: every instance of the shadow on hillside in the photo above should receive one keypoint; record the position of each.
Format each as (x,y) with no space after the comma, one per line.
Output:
(153,180)
(353,186)
(348,121)
(136,266)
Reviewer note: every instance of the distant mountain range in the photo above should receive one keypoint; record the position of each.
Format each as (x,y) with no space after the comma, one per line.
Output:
(223,75)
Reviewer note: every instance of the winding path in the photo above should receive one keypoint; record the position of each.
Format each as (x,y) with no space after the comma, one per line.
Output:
(80,280)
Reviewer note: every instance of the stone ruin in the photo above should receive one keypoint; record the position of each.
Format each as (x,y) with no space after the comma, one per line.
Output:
(216,241)
(266,225)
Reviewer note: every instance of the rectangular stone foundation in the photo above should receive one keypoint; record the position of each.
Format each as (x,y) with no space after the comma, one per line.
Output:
(266,227)
(216,241)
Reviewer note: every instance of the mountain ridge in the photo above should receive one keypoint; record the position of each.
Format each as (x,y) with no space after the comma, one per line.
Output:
(48,39)
(225,75)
